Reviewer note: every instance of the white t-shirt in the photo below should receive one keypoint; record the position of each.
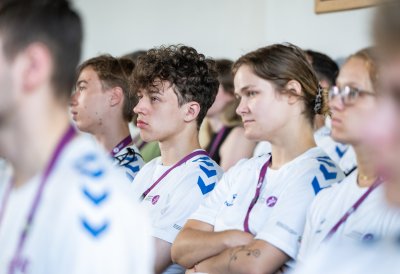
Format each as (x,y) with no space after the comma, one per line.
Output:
(279,214)
(262,147)
(380,257)
(177,196)
(342,154)
(86,221)
(130,160)
(373,220)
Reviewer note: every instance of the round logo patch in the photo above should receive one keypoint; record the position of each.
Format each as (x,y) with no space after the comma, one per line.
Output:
(368,237)
(155,199)
(271,201)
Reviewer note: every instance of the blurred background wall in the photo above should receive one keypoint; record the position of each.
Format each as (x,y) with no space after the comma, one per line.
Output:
(220,28)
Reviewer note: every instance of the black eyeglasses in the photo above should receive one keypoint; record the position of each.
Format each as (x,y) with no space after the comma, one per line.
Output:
(348,94)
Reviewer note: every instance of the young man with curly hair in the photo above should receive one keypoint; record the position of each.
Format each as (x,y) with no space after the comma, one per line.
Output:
(176,86)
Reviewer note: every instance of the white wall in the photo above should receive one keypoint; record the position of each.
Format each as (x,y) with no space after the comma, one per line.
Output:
(219,28)
(337,34)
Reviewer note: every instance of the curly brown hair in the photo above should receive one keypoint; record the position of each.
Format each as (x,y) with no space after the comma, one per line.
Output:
(115,72)
(192,76)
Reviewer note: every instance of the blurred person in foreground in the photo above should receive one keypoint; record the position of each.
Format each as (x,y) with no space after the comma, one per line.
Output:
(382,131)
(62,210)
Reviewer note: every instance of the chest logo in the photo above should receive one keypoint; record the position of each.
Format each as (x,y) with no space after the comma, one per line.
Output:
(271,201)
(230,202)
(155,198)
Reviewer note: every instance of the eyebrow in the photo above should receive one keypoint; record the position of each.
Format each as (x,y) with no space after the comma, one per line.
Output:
(244,89)
(81,82)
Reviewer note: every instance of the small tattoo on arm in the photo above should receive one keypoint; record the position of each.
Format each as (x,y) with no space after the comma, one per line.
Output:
(233,256)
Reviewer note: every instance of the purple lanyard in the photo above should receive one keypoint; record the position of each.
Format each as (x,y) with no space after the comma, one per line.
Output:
(217,141)
(183,160)
(125,142)
(68,136)
(257,195)
(353,208)
(136,140)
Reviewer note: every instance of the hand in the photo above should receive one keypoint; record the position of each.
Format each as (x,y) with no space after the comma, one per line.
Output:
(238,238)
(189,271)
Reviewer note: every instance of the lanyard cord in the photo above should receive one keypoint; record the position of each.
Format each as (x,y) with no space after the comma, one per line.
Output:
(183,160)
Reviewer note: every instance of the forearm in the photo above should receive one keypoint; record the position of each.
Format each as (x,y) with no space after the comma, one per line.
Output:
(229,261)
(193,246)
(257,257)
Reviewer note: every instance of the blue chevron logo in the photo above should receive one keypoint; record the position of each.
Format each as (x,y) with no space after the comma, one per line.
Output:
(327,175)
(316,186)
(208,172)
(87,166)
(340,152)
(203,187)
(326,160)
(95,199)
(205,160)
(134,169)
(95,231)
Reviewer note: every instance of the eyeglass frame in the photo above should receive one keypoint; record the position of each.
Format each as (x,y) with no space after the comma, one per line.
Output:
(345,92)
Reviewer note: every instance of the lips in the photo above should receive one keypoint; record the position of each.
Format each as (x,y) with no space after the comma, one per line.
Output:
(74,114)
(141,124)
(336,121)
(247,122)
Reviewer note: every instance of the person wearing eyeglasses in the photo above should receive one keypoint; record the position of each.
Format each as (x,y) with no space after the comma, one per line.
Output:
(354,209)
(343,154)
(253,220)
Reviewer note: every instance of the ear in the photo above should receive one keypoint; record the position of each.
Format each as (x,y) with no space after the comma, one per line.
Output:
(192,110)
(117,95)
(295,91)
(37,66)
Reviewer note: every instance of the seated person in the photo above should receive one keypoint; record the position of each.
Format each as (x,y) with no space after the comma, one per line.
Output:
(176,86)
(252,222)
(102,106)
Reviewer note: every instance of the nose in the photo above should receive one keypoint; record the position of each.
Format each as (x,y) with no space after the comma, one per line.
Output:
(141,106)
(336,103)
(74,99)
(242,108)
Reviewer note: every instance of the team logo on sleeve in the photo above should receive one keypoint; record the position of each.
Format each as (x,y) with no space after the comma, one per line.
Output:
(368,238)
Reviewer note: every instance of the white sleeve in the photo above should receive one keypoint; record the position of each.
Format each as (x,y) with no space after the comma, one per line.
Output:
(209,208)
(181,205)
(285,226)
(305,243)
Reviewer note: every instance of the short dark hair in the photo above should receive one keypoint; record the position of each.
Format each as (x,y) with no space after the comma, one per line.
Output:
(225,76)
(51,22)
(325,68)
(192,75)
(134,55)
(281,63)
(114,72)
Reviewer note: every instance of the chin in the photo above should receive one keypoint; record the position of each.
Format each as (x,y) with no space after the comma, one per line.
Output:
(252,136)
(339,137)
